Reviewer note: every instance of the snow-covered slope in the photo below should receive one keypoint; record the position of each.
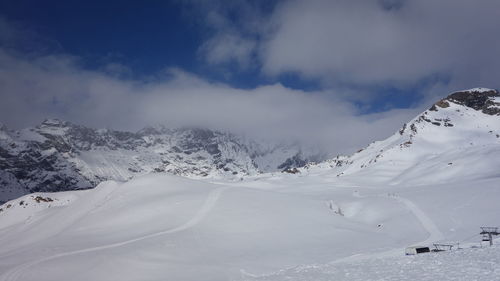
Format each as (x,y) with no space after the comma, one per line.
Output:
(465,264)
(349,218)
(158,226)
(58,156)
(451,139)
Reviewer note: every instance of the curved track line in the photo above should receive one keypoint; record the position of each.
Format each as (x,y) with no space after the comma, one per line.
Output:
(429,225)
(209,203)
(426,222)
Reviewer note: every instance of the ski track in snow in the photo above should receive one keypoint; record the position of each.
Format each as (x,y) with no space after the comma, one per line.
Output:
(434,235)
(209,203)
(427,223)
(434,232)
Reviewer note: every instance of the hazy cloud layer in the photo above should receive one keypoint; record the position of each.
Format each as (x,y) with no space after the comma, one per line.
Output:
(55,86)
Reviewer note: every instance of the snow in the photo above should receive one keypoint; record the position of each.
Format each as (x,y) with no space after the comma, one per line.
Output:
(53,127)
(31,135)
(445,152)
(84,157)
(4,136)
(156,226)
(349,218)
(182,223)
(26,209)
(480,90)
(465,264)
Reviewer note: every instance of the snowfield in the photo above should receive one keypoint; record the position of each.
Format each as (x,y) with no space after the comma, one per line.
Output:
(166,227)
(462,265)
(348,218)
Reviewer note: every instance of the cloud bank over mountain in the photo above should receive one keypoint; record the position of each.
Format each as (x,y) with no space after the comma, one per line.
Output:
(38,86)
(355,50)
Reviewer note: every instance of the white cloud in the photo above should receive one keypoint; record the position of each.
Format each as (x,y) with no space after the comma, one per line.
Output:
(359,41)
(301,36)
(225,48)
(55,86)
(396,42)
(235,27)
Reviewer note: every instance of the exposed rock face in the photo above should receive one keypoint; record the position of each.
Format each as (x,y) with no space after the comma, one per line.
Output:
(58,156)
(293,162)
(485,100)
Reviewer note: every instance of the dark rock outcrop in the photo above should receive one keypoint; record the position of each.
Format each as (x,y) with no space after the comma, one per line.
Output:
(482,100)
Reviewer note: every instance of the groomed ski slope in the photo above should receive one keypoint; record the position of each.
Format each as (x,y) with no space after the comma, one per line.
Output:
(165,227)
(15,273)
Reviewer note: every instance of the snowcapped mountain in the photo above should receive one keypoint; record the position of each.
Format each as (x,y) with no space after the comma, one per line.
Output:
(58,156)
(449,139)
(452,138)
(349,218)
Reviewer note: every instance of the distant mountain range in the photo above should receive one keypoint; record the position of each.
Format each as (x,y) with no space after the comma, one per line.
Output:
(453,137)
(60,156)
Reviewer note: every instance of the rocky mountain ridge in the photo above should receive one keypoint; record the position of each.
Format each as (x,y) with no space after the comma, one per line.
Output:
(450,138)
(58,156)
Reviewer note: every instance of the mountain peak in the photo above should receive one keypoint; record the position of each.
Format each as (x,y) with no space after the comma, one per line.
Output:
(481,99)
(53,122)
(448,141)
(478,90)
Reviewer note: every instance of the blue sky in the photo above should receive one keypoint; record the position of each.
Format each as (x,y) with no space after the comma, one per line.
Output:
(144,37)
(319,64)
(149,37)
